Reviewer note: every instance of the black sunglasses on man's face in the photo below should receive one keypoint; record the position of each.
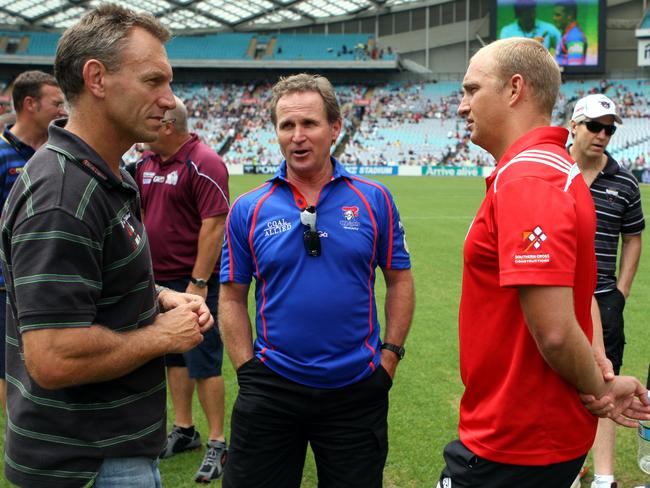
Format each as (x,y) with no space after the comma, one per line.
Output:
(596,127)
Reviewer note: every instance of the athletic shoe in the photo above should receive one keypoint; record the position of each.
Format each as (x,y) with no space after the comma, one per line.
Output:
(213,462)
(614,484)
(178,442)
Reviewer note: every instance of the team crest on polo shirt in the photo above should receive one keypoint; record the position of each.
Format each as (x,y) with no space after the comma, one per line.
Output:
(532,251)
(172,178)
(350,218)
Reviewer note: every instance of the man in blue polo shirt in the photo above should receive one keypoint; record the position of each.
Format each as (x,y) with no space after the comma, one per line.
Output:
(37,101)
(318,372)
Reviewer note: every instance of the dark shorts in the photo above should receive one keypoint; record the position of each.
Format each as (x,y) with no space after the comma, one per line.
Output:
(3,321)
(204,361)
(611,305)
(464,469)
(274,419)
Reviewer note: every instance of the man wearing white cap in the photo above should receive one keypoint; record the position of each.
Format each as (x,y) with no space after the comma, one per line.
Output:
(616,197)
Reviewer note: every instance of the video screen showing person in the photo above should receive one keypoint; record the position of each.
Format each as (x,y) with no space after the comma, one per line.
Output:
(569,29)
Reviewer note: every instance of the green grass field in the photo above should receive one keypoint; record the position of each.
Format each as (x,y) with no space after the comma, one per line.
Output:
(424,399)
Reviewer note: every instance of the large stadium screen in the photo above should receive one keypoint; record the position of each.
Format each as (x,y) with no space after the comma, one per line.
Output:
(572,30)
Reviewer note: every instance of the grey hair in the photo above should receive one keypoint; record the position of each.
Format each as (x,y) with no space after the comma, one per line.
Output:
(100,34)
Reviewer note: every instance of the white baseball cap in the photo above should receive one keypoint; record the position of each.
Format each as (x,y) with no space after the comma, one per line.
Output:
(594,106)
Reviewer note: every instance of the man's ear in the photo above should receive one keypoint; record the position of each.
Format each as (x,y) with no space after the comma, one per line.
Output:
(517,89)
(30,104)
(94,75)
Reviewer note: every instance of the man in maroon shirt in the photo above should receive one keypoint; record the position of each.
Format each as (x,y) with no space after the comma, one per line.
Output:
(184,189)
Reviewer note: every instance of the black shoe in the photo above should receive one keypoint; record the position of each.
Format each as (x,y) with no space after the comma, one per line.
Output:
(178,442)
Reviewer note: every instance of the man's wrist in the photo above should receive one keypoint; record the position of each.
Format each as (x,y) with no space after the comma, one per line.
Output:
(199,282)
(159,291)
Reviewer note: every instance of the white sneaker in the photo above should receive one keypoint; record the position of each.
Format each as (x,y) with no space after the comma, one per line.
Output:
(613,484)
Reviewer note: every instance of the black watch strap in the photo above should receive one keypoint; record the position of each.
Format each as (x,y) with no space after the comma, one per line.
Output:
(399,350)
(198,282)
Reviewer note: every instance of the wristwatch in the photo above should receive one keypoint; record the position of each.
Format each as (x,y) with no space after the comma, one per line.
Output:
(198,282)
(399,350)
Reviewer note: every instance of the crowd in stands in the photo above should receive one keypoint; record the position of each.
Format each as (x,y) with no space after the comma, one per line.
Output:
(395,123)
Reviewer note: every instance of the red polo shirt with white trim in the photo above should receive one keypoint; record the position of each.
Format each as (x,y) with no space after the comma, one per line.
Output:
(535,226)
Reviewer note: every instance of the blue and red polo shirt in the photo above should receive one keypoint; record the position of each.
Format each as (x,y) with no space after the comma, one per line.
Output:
(316,317)
(14,155)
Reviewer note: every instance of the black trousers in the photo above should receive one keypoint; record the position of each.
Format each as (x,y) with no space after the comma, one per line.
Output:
(464,469)
(611,306)
(273,419)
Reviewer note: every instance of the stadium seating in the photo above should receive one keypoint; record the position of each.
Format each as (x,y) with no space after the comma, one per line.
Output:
(321,47)
(396,123)
(209,46)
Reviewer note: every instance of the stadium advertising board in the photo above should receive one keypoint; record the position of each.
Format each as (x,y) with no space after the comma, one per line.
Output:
(372,170)
(269,169)
(260,169)
(456,171)
(572,30)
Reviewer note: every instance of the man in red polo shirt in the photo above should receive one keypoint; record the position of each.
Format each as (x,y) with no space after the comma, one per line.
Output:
(184,189)
(528,281)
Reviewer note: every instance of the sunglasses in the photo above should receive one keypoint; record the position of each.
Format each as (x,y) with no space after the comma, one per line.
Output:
(596,127)
(310,237)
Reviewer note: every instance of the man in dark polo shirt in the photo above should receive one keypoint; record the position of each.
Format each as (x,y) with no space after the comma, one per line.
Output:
(37,101)
(617,199)
(184,189)
(85,339)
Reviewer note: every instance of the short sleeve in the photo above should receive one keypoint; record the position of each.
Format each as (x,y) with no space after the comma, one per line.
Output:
(393,250)
(633,221)
(210,187)
(56,271)
(236,257)
(536,227)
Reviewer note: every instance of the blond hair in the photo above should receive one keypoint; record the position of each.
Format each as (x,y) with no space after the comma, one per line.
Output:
(304,82)
(530,59)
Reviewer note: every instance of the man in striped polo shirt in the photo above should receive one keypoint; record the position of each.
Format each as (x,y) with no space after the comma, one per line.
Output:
(85,339)
(37,101)
(617,199)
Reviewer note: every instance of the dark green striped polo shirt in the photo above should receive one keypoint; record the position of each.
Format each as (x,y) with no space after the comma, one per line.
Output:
(75,253)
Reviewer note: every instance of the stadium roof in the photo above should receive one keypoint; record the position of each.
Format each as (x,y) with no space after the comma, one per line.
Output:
(218,15)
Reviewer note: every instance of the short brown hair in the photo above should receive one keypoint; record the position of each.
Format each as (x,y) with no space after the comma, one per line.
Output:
(530,59)
(29,84)
(100,34)
(304,82)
